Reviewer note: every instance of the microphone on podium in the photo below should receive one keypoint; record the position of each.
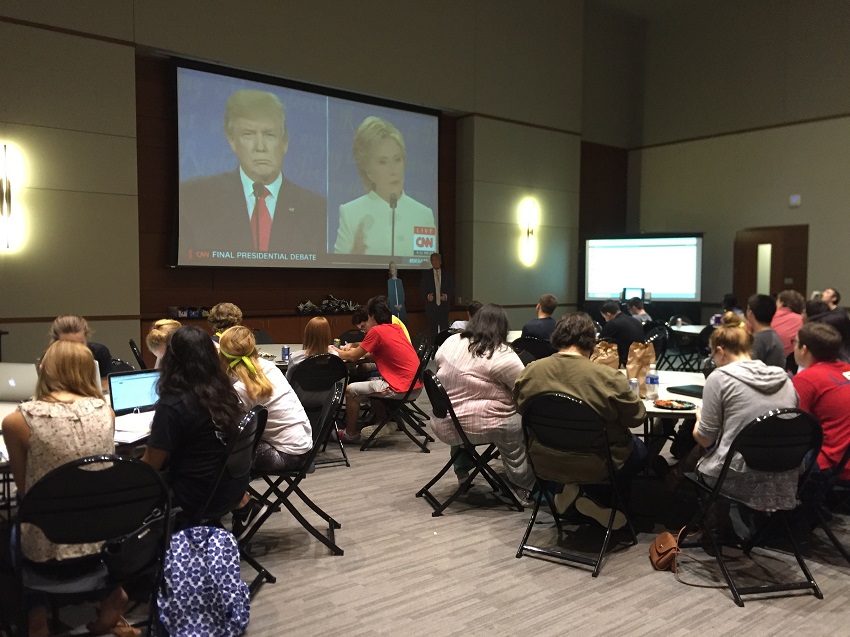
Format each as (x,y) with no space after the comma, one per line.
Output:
(393,204)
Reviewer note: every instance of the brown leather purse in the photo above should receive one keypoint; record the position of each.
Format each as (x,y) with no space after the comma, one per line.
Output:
(664,551)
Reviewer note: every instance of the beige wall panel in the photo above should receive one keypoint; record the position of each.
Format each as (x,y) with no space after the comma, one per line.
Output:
(465,168)
(500,203)
(57,159)
(26,341)
(612,91)
(63,81)
(725,184)
(526,156)
(107,18)
(500,277)
(81,255)
(529,61)
(417,52)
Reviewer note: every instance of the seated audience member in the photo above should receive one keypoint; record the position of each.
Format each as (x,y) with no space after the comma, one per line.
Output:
(71,327)
(317,340)
(197,411)
(730,304)
(471,309)
(358,320)
(288,434)
(396,361)
(819,312)
(66,420)
(542,326)
(831,297)
(823,386)
(767,345)
(158,337)
(607,392)
(223,316)
(788,318)
(637,310)
(740,390)
(479,370)
(620,328)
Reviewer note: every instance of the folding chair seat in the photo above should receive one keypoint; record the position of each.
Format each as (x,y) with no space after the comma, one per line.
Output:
(822,491)
(536,347)
(442,406)
(104,498)
(313,381)
(273,496)
(565,423)
(400,411)
(236,463)
(775,442)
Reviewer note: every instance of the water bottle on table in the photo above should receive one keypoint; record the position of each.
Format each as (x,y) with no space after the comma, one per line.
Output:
(652,383)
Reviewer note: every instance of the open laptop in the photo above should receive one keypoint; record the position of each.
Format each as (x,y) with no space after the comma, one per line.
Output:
(17,381)
(695,391)
(133,397)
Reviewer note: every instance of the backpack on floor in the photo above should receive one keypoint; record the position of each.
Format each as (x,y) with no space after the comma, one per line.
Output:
(202,592)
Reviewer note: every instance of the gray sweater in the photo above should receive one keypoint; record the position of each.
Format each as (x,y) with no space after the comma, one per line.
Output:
(768,347)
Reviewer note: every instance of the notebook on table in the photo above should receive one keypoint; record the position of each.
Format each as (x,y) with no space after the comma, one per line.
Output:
(17,381)
(133,397)
(695,391)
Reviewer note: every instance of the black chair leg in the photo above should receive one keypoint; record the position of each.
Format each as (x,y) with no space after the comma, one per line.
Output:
(263,575)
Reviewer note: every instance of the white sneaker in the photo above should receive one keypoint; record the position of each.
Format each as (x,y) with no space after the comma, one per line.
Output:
(565,498)
(599,513)
(386,430)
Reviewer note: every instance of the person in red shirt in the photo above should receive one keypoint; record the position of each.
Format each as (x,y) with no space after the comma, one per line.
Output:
(788,318)
(824,389)
(395,358)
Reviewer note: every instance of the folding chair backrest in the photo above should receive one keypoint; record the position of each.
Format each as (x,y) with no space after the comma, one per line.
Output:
(538,348)
(425,356)
(658,337)
(417,340)
(94,499)
(777,441)
(137,354)
(326,421)
(120,366)
(443,336)
(238,455)
(313,381)
(441,404)
(565,423)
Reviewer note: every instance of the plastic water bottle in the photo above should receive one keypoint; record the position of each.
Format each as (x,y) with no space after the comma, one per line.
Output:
(651,383)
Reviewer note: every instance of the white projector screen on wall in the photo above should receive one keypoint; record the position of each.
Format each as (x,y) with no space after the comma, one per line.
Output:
(283,175)
(668,268)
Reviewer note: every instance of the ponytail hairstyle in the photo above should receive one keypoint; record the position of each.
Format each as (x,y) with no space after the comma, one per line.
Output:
(237,351)
(732,335)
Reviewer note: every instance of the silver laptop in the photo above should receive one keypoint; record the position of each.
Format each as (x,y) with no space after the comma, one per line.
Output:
(17,381)
(133,396)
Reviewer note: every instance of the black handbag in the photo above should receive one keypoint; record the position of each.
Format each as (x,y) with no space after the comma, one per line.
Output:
(131,554)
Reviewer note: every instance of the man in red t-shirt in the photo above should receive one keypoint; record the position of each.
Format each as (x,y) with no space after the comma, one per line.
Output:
(824,389)
(395,358)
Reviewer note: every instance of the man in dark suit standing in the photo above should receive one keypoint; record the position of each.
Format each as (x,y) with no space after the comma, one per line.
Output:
(438,287)
(253,210)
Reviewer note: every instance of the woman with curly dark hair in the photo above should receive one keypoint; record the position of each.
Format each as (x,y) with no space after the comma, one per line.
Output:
(197,412)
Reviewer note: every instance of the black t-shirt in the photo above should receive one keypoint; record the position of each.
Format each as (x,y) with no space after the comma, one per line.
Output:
(102,356)
(196,450)
(539,328)
(623,330)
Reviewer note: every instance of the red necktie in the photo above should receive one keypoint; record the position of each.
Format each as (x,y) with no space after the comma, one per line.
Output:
(261,220)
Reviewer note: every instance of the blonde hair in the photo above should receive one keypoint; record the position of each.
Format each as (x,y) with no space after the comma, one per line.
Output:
(253,105)
(224,315)
(67,366)
(732,335)
(69,324)
(317,336)
(237,351)
(160,331)
(371,131)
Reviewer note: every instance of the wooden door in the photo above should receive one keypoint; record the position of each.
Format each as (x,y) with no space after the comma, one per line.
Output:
(789,254)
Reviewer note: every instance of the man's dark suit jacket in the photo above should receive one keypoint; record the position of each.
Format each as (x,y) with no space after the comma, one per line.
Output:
(214,216)
(447,287)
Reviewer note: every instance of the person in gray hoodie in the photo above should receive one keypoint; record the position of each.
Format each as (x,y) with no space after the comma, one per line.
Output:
(736,393)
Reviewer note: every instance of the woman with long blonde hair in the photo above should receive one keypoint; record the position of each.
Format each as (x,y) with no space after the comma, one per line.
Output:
(288,434)
(66,420)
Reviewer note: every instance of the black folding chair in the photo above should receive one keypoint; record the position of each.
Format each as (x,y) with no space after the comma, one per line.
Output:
(121,501)
(683,351)
(273,496)
(119,366)
(566,423)
(236,464)
(137,354)
(824,488)
(442,337)
(400,411)
(313,381)
(421,351)
(658,337)
(262,337)
(536,347)
(775,442)
(442,406)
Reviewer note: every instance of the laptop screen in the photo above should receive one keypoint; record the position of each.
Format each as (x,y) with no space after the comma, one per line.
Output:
(133,390)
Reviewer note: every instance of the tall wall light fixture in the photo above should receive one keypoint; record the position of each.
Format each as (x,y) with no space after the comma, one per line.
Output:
(12,228)
(528,213)
(6,199)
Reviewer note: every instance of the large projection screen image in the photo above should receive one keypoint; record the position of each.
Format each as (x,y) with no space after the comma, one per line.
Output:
(276,176)
(667,268)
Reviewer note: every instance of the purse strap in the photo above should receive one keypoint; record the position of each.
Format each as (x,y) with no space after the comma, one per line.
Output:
(675,567)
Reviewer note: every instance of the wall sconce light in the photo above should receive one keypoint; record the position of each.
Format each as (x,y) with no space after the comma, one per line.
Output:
(11,219)
(6,196)
(528,212)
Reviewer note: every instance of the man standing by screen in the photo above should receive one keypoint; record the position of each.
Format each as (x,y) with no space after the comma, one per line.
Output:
(438,288)
(253,212)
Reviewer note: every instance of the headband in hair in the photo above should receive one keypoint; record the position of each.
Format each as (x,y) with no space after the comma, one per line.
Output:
(234,361)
